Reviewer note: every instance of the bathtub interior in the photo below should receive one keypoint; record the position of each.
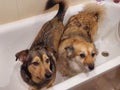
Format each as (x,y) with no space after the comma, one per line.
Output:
(20,35)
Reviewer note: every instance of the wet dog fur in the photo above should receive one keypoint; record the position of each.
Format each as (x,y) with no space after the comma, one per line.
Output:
(38,68)
(77,50)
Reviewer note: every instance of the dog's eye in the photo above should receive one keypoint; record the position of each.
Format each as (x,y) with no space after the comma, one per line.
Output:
(82,55)
(47,60)
(35,63)
(93,54)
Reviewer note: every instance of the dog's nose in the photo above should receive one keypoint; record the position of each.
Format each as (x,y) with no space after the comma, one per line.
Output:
(48,75)
(91,66)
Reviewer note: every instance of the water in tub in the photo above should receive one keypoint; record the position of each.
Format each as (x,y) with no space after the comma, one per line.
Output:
(108,42)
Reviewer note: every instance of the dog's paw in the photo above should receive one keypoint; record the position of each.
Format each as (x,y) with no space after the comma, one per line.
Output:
(32,88)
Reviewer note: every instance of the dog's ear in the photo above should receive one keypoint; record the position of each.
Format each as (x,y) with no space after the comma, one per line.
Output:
(52,50)
(22,55)
(70,50)
(96,15)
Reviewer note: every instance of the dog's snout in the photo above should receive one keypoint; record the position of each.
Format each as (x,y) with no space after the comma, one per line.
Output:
(91,66)
(48,74)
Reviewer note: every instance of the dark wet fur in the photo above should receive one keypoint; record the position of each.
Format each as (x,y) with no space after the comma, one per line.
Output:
(46,42)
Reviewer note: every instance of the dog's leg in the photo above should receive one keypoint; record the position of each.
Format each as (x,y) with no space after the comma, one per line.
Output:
(32,88)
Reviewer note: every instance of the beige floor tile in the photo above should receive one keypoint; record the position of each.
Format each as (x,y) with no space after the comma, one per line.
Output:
(27,8)
(107,81)
(8,11)
(90,85)
(114,78)
(104,84)
(12,10)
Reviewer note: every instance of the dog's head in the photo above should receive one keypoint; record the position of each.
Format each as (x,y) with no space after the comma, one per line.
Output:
(81,52)
(38,65)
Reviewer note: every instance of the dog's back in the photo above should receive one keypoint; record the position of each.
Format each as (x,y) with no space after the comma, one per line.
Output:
(88,20)
(50,34)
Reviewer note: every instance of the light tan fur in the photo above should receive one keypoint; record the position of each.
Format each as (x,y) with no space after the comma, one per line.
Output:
(77,47)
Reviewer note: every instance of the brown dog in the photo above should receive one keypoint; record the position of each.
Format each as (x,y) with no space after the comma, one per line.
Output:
(77,50)
(39,62)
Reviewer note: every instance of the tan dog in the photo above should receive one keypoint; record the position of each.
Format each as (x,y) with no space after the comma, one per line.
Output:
(39,62)
(77,50)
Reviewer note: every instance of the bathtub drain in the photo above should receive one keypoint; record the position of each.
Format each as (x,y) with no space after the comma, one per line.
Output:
(105,53)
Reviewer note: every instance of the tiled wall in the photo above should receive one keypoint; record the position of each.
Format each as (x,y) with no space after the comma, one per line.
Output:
(12,10)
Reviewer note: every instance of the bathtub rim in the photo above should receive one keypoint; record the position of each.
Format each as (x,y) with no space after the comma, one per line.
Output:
(82,77)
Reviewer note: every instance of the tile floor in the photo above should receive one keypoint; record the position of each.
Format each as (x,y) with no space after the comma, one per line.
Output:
(12,10)
(107,81)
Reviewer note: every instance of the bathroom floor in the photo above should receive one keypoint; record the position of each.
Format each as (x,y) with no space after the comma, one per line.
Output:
(108,81)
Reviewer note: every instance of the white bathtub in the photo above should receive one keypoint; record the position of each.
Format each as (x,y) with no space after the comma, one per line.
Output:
(19,35)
